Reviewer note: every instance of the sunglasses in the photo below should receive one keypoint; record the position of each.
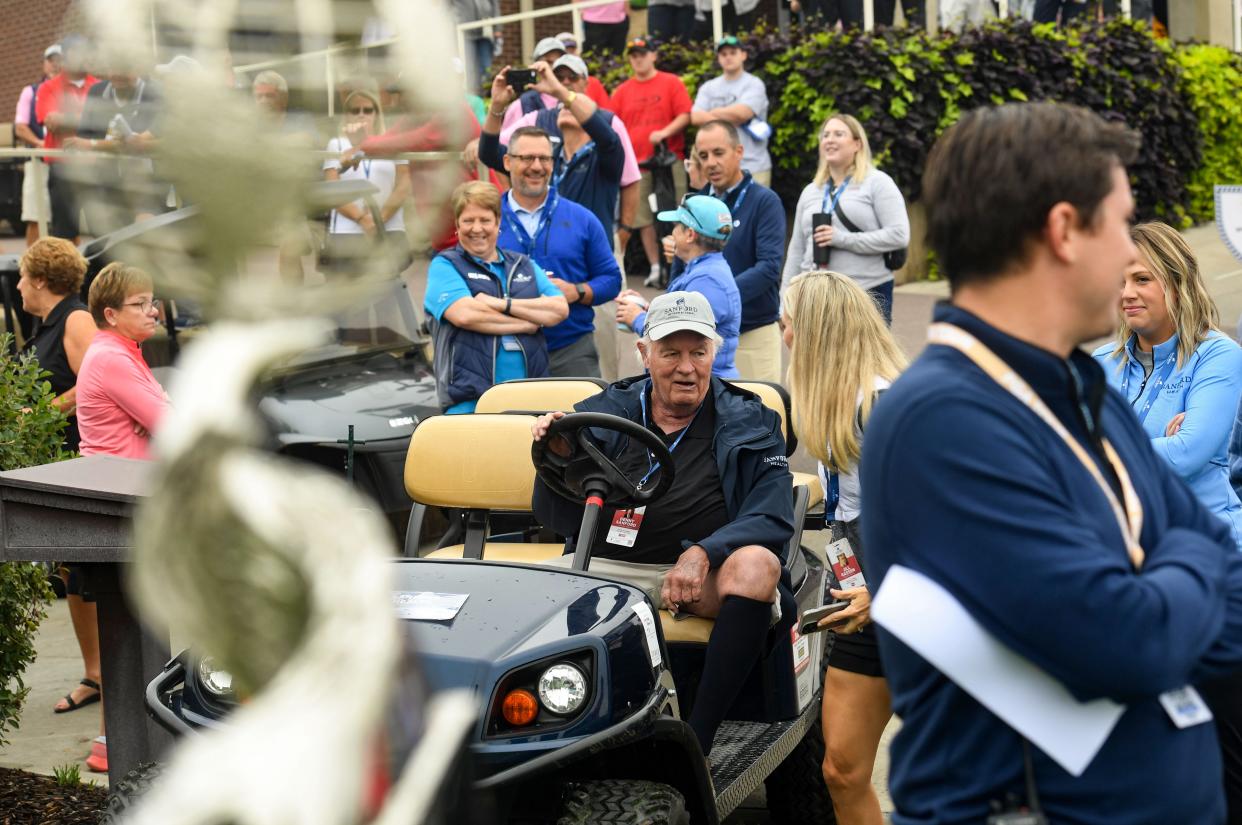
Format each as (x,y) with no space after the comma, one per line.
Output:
(368,110)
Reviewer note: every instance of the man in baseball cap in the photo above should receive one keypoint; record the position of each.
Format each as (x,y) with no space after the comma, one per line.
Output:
(549,49)
(711,545)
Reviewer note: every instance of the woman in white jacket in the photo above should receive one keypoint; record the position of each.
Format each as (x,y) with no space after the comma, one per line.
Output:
(868,214)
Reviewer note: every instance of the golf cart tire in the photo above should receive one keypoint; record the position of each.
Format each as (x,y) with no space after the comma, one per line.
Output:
(622,801)
(130,790)
(795,790)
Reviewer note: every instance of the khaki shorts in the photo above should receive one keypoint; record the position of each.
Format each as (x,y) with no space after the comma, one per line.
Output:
(36,205)
(758,356)
(644,217)
(646,577)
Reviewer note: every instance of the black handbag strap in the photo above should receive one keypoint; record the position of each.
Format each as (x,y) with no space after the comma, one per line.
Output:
(849,224)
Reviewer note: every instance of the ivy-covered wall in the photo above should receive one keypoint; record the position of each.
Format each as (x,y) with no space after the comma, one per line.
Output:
(907,87)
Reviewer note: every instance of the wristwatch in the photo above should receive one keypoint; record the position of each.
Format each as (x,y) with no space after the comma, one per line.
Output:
(569,101)
(581,292)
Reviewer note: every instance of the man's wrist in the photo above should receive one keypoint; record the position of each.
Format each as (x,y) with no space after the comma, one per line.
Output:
(569,97)
(582,294)
(492,111)
(508,306)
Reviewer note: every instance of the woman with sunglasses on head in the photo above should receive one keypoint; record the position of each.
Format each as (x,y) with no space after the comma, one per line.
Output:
(701,227)
(841,357)
(352,226)
(1180,373)
(864,230)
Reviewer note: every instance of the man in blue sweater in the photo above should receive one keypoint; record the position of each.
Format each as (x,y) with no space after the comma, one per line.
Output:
(755,251)
(1003,467)
(568,241)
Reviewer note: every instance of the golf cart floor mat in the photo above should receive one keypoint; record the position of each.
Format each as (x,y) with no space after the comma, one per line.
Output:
(745,753)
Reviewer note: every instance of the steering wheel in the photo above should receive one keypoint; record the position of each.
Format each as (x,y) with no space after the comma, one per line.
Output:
(586,471)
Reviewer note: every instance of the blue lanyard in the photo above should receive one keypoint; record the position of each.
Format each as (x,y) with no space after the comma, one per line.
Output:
(741,196)
(563,168)
(1166,369)
(823,206)
(834,497)
(652,464)
(528,243)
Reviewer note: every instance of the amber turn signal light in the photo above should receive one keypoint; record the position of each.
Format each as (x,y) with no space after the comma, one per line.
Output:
(520,707)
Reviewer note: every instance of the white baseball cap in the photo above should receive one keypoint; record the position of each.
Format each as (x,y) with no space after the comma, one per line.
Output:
(548,44)
(677,312)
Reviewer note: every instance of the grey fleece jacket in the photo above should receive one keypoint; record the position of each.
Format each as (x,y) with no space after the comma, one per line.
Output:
(876,207)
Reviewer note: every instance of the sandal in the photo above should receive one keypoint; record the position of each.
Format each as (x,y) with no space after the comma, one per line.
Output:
(94,697)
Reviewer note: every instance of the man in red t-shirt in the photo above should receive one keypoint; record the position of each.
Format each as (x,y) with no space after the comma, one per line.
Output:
(655,108)
(58,106)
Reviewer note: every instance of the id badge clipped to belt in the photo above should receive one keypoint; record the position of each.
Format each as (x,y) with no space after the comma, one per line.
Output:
(624,528)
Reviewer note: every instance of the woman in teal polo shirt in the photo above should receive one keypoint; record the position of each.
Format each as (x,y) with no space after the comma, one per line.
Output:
(489,306)
(1180,373)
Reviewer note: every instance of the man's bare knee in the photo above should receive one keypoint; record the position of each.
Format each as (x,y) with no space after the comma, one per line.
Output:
(751,572)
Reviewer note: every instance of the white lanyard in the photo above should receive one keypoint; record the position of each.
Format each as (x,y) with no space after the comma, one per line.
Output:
(1129,519)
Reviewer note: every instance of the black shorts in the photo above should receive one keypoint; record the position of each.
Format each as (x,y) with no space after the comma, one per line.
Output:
(858,652)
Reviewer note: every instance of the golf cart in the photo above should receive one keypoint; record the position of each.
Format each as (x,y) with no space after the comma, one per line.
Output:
(583,686)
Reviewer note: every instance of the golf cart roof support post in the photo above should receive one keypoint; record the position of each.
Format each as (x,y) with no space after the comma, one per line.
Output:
(586,533)
(476,534)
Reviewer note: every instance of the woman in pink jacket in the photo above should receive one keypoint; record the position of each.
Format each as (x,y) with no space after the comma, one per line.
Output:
(119,401)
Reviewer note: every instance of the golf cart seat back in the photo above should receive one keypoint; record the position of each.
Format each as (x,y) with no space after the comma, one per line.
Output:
(538,395)
(776,398)
(479,463)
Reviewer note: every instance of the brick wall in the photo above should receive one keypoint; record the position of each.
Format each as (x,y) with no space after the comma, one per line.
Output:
(30,26)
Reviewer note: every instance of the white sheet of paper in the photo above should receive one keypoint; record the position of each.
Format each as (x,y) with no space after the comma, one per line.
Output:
(925,616)
(643,611)
(425,606)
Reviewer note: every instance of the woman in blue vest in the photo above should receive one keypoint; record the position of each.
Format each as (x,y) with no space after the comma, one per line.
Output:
(489,306)
(1180,373)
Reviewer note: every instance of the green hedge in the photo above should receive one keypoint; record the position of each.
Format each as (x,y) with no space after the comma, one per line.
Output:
(907,87)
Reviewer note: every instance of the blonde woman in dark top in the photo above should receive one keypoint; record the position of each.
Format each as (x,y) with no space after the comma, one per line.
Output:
(841,357)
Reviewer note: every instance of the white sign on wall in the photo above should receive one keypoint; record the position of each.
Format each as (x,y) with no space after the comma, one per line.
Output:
(1229,217)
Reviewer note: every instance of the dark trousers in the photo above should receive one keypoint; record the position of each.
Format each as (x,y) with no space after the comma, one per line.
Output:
(578,360)
(850,12)
(1046,10)
(63,196)
(670,23)
(605,37)
(883,297)
(1224,697)
(731,22)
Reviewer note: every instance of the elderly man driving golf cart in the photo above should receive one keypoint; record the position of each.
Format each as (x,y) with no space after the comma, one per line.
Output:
(712,544)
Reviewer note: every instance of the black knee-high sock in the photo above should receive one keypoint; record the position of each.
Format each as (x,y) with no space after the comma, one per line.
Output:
(736,643)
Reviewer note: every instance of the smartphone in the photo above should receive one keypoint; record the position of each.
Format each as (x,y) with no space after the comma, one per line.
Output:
(809,623)
(519,79)
(820,255)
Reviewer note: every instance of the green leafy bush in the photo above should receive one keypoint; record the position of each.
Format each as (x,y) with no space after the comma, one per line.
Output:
(1211,82)
(907,87)
(31,432)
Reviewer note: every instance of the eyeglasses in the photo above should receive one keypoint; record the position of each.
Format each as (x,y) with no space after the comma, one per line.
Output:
(544,159)
(369,110)
(566,77)
(146,306)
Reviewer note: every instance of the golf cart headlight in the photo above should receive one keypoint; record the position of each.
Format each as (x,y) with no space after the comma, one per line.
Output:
(218,682)
(562,689)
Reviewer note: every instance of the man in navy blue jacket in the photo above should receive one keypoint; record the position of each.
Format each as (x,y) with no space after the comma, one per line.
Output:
(712,544)
(966,482)
(567,241)
(755,251)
